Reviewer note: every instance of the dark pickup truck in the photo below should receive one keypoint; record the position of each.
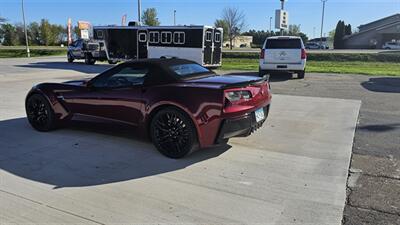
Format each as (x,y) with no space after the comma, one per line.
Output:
(89,50)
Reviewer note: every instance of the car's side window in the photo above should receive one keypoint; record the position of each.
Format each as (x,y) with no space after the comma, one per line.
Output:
(123,77)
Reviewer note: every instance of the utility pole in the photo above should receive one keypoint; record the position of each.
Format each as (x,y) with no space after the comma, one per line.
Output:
(174,17)
(322,22)
(270,24)
(28,53)
(139,11)
(314,32)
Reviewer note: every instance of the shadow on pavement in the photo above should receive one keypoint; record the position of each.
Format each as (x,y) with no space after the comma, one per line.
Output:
(383,84)
(76,66)
(85,153)
(380,128)
(275,77)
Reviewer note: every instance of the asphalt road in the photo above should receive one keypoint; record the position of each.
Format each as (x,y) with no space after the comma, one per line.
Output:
(292,171)
(351,51)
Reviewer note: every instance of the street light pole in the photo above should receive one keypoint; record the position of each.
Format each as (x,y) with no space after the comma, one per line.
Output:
(139,11)
(270,24)
(174,17)
(28,54)
(322,22)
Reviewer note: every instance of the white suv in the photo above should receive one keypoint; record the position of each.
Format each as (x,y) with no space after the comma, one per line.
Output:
(281,53)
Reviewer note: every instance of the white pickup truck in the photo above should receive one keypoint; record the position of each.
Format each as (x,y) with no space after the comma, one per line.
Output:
(283,54)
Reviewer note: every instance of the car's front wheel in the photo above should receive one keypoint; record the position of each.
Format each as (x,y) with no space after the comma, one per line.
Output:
(89,59)
(173,133)
(70,58)
(39,112)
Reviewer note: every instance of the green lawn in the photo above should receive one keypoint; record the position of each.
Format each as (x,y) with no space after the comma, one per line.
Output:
(356,67)
(19,51)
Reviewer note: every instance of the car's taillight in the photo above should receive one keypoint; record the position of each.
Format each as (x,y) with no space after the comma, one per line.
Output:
(262,54)
(303,53)
(235,96)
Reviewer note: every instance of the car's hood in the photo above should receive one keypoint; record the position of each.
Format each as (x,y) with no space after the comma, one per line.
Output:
(224,80)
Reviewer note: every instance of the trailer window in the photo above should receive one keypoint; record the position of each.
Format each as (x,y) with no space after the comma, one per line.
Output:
(166,37)
(154,37)
(179,38)
(208,36)
(217,37)
(142,37)
(99,34)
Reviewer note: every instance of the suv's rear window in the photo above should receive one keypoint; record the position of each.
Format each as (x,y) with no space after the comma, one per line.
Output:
(283,44)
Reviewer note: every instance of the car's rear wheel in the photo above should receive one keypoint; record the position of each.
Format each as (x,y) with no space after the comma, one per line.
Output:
(301,74)
(173,133)
(40,114)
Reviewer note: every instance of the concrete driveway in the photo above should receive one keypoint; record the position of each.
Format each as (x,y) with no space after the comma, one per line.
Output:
(292,171)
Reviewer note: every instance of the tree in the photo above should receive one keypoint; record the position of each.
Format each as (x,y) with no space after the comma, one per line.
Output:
(294,29)
(348,30)
(235,21)
(149,17)
(34,33)
(7,33)
(338,42)
(19,34)
(222,24)
(46,36)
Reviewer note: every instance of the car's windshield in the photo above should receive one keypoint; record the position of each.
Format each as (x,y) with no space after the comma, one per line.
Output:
(187,70)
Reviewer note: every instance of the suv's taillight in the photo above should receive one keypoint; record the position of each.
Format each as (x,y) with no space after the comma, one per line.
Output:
(303,54)
(262,54)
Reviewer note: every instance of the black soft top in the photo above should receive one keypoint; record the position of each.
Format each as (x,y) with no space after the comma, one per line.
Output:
(165,64)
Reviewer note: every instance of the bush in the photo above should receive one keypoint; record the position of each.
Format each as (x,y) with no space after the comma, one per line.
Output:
(339,57)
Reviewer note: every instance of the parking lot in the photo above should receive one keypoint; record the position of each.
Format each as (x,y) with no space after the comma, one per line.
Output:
(294,170)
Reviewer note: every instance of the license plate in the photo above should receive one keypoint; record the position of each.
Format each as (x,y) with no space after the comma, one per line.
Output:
(260,115)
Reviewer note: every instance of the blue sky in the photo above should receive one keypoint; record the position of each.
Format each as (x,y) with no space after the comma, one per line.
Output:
(103,12)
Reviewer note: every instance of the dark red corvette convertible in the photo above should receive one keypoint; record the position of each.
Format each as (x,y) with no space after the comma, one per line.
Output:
(180,104)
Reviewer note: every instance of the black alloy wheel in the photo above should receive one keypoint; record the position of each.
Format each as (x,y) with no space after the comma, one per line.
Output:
(173,133)
(40,114)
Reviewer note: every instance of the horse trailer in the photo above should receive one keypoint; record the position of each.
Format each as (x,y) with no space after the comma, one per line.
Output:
(202,44)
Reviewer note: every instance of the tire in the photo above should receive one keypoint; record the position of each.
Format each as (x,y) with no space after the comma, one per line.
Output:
(301,74)
(39,113)
(261,72)
(173,133)
(70,58)
(89,59)
(112,62)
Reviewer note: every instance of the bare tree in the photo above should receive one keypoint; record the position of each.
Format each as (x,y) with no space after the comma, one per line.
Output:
(235,21)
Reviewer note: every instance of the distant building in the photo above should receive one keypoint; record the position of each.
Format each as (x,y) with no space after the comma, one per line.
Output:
(240,42)
(375,34)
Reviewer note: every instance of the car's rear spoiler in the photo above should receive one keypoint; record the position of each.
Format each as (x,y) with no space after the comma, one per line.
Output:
(261,80)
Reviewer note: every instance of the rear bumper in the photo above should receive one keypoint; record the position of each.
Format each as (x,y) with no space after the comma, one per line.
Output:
(241,126)
(282,66)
